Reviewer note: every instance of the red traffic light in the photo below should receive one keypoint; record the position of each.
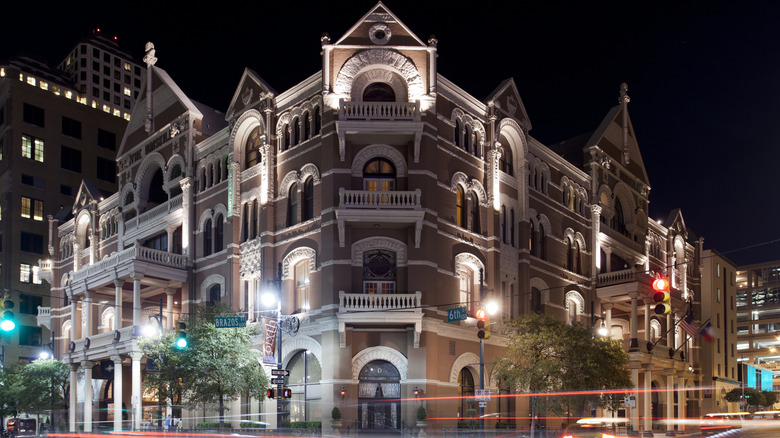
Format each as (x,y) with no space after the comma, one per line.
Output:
(660,284)
(271,393)
(662,296)
(482,314)
(483,324)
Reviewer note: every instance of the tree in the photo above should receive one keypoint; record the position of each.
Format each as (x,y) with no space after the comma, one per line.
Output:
(10,391)
(44,382)
(548,356)
(216,367)
(753,397)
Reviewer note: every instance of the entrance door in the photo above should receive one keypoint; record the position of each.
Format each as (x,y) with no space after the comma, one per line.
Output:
(379,408)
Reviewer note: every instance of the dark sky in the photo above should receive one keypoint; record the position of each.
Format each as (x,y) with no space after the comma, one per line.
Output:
(704,77)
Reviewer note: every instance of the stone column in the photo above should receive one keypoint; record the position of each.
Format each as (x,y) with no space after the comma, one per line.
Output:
(137,299)
(87,394)
(596,262)
(647,398)
(670,402)
(634,411)
(74,404)
(136,388)
(647,302)
(670,335)
(75,320)
(681,403)
(88,309)
(186,226)
(118,283)
(118,396)
(608,317)
(169,307)
(169,234)
(634,316)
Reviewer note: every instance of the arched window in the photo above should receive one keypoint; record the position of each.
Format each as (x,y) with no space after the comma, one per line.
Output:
(466,393)
(219,231)
(379,92)
(577,258)
(570,254)
(292,205)
(207,230)
(301,303)
(466,138)
(317,120)
(474,211)
(308,199)
(245,223)
(512,227)
(306,126)
(286,137)
(157,194)
(304,381)
(619,221)
(379,271)
(572,310)
(457,133)
(505,163)
(477,145)
(502,218)
(542,243)
(536,300)
(379,175)
(467,298)
(296,131)
(532,247)
(215,295)
(252,148)
(461,208)
(379,392)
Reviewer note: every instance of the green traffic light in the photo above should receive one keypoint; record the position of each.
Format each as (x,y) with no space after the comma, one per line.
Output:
(7,325)
(181,343)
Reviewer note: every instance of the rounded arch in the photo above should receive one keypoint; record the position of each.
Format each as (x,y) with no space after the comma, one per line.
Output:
(515,136)
(575,297)
(370,354)
(299,343)
(221,209)
(107,318)
(67,326)
(379,150)
(83,228)
(379,74)
(542,287)
(622,324)
(379,242)
(289,179)
(623,192)
(296,255)
(146,170)
(575,237)
(247,122)
(310,170)
(467,259)
(469,185)
(175,160)
(655,327)
(379,59)
(465,360)
(206,215)
(208,283)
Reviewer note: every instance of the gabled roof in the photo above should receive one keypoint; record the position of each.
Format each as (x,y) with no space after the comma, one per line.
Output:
(609,137)
(166,94)
(502,96)
(251,88)
(88,192)
(380,14)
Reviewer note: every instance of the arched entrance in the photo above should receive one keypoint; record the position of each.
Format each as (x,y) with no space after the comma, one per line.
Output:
(379,391)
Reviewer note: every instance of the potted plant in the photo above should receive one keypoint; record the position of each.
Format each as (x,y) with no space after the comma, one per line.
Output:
(335,416)
(422,417)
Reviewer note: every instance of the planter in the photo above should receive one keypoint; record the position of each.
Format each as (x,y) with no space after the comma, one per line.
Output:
(422,424)
(336,424)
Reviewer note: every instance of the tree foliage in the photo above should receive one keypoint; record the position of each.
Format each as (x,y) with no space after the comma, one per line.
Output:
(548,356)
(10,391)
(44,382)
(216,367)
(754,397)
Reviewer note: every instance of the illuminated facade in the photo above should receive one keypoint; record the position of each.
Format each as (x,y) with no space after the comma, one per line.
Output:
(389,195)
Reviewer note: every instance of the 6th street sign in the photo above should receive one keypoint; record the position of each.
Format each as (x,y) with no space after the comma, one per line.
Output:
(456,314)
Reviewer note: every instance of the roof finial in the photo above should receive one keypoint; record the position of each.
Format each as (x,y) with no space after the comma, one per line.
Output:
(150,60)
(624,99)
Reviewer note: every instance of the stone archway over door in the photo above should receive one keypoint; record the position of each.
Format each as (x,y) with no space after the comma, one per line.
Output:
(379,393)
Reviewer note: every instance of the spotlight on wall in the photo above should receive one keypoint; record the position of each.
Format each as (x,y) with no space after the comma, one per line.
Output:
(416,392)
(343,392)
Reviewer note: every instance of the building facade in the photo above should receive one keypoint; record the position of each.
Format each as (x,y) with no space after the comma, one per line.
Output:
(384,194)
(51,140)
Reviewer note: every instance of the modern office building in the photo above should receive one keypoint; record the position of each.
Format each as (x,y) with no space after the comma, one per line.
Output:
(388,195)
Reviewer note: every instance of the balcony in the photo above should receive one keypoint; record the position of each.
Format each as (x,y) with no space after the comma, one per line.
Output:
(398,119)
(44,317)
(101,345)
(380,309)
(155,213)
(364,207)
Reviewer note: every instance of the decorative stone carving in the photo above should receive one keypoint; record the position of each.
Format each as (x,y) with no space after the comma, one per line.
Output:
(371,354)
(294,257)
(380,58)
(369,243)
(379,34)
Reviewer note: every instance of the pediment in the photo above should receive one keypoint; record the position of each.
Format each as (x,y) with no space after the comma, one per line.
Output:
(380,27)
(506,99)
(88,193)
(252,92)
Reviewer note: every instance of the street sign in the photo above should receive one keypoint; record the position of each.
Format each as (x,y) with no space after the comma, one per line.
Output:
(277,381)
(229,321)
(630,402)
(481,395)
(277,372)
(456,314)
(483,404)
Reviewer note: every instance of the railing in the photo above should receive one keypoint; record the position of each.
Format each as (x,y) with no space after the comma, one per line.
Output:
(44,312)
(107,338)
(155,213)
(399,200)
(379,110)
(133,253)
(616,277)
(373,302)
(45,265)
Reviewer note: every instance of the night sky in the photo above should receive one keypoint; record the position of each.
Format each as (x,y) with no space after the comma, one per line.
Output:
(703,77)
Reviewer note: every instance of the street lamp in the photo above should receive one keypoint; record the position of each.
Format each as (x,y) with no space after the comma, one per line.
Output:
(45,355)
(273,295)
(149,331)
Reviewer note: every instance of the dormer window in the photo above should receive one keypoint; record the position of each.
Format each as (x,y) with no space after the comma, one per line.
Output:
(379,92)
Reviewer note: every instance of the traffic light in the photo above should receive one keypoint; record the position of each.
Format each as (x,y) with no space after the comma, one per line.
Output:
(483,324)
(286,393)
(270,393)
(181,339)
(7,315)
(661,296)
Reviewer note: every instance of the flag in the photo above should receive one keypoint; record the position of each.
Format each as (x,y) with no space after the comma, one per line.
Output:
(689,325)
(708,333)
(270,328)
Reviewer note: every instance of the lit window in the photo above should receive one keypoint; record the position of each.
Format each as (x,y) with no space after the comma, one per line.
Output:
(55,89)
(69,94)
(127,116)
(26,207)
(25,272)
(128,92)
(118,113)
(36,278)
(107,109)
(2,72)
(44,85)
(1,212)
(82,100)
(38,150)
(302,286)
(26,146)
(31,80)
(38,210)
(127,66)
(21,77)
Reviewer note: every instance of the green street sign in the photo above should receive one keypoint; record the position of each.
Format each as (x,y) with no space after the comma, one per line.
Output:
(456,314)
(229,321)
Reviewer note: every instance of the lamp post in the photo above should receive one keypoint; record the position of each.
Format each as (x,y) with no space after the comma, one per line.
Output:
(602,330)
(492,308)
(50,356)
(276,293)
(150,332)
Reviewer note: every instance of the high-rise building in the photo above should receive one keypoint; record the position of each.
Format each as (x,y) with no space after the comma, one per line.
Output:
(383,195)
(55,147)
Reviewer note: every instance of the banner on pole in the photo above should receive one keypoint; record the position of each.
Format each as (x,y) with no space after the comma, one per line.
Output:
(270,330)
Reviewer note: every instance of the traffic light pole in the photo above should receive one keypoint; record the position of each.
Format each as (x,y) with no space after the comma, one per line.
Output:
(279,388)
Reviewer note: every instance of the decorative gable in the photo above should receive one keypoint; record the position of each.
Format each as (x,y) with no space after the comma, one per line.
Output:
(252,92)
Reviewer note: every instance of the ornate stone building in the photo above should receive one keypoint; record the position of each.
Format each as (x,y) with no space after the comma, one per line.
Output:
(389,195)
